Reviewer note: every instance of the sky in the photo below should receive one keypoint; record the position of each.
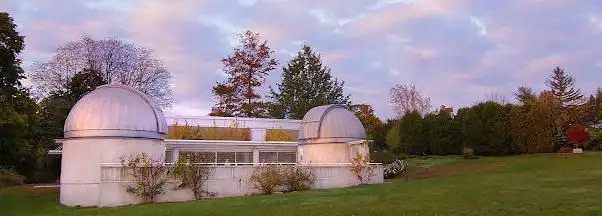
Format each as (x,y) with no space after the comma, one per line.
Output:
(457,52)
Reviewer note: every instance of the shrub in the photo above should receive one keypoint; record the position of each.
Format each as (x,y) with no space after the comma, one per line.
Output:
(149,176)
(395,169)
(385,157)
(360,166)
(281,135)
(468,153)
(10,178)
(186,131)
(595,140)
(193,174)
(297,178)
(266,178)
(233,132)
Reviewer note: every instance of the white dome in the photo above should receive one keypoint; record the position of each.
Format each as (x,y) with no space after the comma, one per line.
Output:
(330,123)
(115,110)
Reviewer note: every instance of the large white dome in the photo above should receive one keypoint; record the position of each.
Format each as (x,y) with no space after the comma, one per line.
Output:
(115,110)
(330,124)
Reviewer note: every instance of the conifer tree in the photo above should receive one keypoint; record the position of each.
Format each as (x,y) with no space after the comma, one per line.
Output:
(306,83)
(562,85)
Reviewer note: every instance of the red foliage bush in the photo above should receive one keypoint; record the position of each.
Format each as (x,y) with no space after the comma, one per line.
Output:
(577,135)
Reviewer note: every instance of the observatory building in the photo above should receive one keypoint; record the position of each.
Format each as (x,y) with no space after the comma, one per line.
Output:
(106,124)
(330,134)
(115,121)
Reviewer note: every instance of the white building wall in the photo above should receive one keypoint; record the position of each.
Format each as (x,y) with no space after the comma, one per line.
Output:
(81,165)
(226,181)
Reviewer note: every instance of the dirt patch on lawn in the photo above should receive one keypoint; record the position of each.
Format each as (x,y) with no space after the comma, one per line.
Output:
(453,169)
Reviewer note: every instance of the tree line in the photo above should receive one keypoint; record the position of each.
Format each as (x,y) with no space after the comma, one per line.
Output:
(536,124)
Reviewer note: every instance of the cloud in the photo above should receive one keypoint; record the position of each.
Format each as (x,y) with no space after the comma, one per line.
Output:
(455,51)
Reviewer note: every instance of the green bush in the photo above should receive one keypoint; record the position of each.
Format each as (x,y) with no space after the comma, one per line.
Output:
(595,140)
(385,157)
(266,178)
(149,175)
(10,178)
(297,178)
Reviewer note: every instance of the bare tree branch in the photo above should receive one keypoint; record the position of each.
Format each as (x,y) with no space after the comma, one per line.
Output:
(117,62)
(405,98)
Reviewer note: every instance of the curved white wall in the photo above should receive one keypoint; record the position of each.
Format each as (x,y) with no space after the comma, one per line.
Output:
(81,166)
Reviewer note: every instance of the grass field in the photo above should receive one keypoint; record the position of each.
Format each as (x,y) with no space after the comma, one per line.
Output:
(517,185)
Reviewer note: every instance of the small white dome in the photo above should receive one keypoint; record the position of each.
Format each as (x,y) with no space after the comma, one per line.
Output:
(115,110)
(330,123)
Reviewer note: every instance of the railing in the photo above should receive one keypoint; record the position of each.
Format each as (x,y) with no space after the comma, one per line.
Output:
(246,164)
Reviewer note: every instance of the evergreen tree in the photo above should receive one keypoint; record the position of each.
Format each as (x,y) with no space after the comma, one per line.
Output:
(246,69)
(562,85)
(19,119)
(306,83)
(411,134)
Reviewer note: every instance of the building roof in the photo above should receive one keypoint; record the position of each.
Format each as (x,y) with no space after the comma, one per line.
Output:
(330,122)
(115,110)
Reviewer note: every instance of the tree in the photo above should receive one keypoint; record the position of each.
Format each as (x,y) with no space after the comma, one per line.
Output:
(573,108)
(525,95)
(405,98)
(439,135)
(365,113)
(115,60)
(306,83)
(562,85)
(55,108)
(533,128)
(19,119)
(246,69)
(595,107)
(411,134)
(226,100)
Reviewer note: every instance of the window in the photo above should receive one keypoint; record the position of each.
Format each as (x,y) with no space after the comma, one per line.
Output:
(226,157)
(244,157)
(287,157)
(268,157)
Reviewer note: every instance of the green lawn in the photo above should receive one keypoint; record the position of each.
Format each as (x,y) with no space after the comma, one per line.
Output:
(517,185)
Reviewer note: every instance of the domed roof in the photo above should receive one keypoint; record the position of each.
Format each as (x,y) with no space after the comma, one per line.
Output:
(331,123)
(115,110)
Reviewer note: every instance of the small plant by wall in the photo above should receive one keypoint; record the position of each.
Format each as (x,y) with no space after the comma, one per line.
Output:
(149,176)
(297,178)
(266,178)
(281,135)
(360,166)
(193,175)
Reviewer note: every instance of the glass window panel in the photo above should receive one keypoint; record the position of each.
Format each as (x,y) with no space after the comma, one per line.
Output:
(244,157)
(268,157)
(206,157)
(225,157)
(287,157)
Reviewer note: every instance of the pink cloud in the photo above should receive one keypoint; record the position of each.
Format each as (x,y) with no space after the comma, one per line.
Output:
(331,58)
(387,18)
